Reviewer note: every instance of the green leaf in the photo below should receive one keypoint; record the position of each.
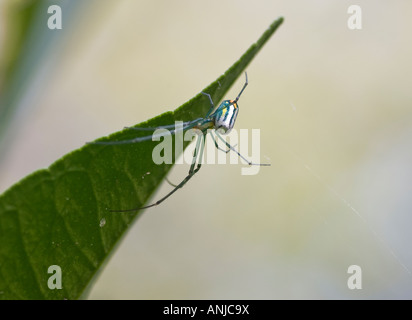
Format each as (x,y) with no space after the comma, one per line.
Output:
(59,216)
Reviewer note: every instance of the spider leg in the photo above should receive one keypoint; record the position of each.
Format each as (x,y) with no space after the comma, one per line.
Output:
(211,104)
(172,184)
(217,146)
(197,158)
(169,126)
(244,87)
(186,125)
(237,152)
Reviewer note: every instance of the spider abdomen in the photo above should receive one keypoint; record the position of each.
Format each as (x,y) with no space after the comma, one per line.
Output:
(225,116)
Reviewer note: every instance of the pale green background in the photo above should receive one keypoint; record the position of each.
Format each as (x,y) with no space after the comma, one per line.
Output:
(334,109)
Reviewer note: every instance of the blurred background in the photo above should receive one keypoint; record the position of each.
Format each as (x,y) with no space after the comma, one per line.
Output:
(333,106)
